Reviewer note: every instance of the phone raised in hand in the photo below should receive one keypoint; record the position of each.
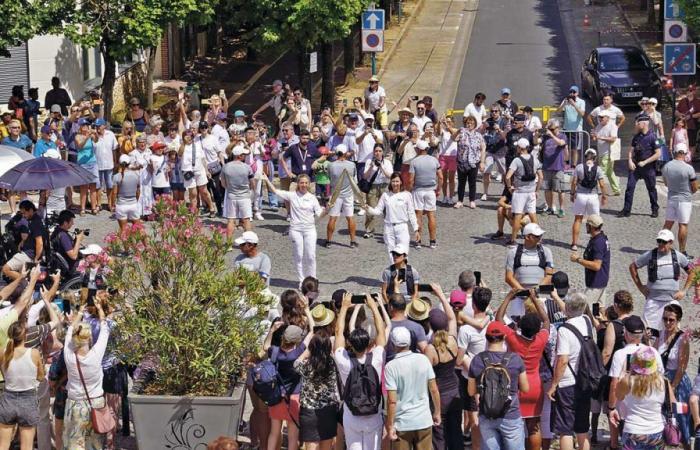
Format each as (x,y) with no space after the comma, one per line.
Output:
(423,287)
(545,289)
(66,306)
(477,276)
(523,293)
(358,299)
(595,308)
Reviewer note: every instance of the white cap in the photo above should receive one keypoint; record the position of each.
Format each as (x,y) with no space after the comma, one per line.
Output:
(52,153)
(367,116)
(92,249)
(523,143)
(534,229)
(665,235)
(653,101)
(248,237)
(124,159)
(240,150)
(681,147)
(422,145)
(400,249)
(341,148)
(590,151)
(401,337)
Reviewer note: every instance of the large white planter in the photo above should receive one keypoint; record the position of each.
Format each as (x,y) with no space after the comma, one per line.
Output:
(185,423)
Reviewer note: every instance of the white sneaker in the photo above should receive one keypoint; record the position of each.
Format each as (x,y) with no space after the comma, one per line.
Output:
(259,216)
(499,178)
(484,197)
(443,199)
(361,212)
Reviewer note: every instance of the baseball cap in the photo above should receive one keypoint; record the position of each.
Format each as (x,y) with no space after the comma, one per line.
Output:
(240,150)
(422,145)
(92,249)
(595,221)
(591,151)
(634,324)
(653,101)
(203,124)
(248,237)
(505,90)
(277,83)
(522,143)
(100,122)
(341,148)
(374,79)
(82,122)
(399,249)
(573,88)
(52,153)
(400,337)
(458,298)
(124,159)
(46,129)
(158,145)
(681,147)
(520,118)
(643,117)
(665,235)
(239,113)
(560,281)
(534,229)
(55,108)
(368,117)
(293,334)
(496,329)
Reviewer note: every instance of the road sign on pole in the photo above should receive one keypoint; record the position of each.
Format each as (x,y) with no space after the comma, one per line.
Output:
(373,19)
(673,10)
(372,41)
(679,59)
(675,31)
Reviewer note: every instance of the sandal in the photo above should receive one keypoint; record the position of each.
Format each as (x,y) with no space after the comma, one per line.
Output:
(95,212)
(82,212)
(573,248)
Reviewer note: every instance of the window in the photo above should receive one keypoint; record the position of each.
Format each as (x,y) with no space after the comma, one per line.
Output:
(623,61)
(92,63)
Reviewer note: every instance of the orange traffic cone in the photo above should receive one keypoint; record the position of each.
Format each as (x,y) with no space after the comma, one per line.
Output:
(586,21)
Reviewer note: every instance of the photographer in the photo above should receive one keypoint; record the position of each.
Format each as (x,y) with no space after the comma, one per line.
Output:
(63,243)
(32,246)
(494,130)
(574,110)
(377,173)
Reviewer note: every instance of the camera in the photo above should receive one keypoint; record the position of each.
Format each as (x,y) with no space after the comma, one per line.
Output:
(86,231)
(377,163)
(490,123)
(571,97)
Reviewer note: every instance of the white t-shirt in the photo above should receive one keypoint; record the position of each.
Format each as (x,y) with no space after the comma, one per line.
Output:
(342,362)
(303,208)
(365,149)
(421,121)
(643,414)
(90,365)
(160,170)
(221,136)
(447,145)
(568,344)
(477,112)
(210,145)
(104,150)
(472,341)
(533,124)
(618,366)
(373,98)
(192,150)
(614,110)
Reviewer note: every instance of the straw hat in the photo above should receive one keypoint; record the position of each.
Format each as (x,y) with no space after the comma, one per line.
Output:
(322,316)
(418,310)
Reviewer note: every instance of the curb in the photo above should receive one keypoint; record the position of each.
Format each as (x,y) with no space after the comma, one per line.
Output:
(404,29)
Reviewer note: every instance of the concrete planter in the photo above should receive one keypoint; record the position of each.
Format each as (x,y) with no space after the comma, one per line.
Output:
(185,423)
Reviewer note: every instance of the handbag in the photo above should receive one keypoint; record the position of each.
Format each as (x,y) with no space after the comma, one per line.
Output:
(366,185)
(672,434)
(101,419)
(189,174)
(214,167)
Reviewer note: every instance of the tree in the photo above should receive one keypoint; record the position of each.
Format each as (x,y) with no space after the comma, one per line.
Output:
(691,8)
(121,28)
(25,19)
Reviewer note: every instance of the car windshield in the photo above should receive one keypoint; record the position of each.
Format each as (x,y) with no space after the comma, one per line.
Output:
(622,61)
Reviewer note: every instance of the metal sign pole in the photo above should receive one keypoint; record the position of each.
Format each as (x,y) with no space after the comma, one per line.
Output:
(374,63)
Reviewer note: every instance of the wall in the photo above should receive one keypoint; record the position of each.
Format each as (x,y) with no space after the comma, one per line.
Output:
(51,56)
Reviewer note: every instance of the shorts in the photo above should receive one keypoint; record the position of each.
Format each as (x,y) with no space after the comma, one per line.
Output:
(199,179)
(177,187)
(284,410)
(18,261)
(448,163)
(495,161)
(570,412)
(524,202)
(21,408)
(679,211)
(160,191)
(92,168)
(425,200)
(127,211)
(105,179)
(468,402)
(318,424)
(586,204)
(553,180)
(343,206)
(237,208)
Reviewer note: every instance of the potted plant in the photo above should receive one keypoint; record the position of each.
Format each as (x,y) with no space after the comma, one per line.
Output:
(187,320)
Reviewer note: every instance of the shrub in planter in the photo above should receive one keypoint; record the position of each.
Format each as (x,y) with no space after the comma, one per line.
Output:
(184,312)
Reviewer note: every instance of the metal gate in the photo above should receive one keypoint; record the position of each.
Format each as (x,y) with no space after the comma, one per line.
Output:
(14,71)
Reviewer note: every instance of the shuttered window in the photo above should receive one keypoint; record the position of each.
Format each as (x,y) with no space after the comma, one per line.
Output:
(13,71)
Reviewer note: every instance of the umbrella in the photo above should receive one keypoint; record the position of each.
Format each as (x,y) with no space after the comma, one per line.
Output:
(11,156)
(45,173)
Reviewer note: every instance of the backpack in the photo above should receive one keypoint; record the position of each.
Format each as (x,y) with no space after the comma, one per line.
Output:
(529,168)
(519,254)
(589,180)
(362,393)
(653,266)
(590,363)
(266,380)
(494,387)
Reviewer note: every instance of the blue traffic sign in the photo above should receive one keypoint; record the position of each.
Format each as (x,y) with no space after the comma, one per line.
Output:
(679,59)
(673,10)
(373,19)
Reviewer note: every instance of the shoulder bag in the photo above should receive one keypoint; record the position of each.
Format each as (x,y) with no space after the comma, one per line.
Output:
(672,434)
(101,418)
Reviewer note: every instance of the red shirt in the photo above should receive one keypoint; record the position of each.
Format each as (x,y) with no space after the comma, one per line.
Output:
(529,350)
(684,106)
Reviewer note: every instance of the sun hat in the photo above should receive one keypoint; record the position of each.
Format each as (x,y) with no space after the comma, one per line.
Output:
(522,143)
(322,316)
(92,249)
(418,310)
(400,337)
(52,153)
(124,159)
(681,147)
(421,144)
(644,361)
(407,111)
(374,79)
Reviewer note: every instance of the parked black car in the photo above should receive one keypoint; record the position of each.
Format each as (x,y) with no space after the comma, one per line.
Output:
(626,72)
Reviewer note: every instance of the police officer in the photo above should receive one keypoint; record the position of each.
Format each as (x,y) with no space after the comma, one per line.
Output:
(643,152)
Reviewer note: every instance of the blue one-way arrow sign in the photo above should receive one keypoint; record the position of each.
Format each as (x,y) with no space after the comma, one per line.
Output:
(373,19)
(673,11)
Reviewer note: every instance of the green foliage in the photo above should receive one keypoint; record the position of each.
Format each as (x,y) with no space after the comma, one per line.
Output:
(26,19)
(184,311)
(692,14)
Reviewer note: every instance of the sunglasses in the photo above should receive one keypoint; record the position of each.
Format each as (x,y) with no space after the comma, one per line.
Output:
(669,319)
(14,128)
(661,241)
(420,109)
(396,255)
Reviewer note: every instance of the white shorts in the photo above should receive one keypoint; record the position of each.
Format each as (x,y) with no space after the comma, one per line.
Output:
(679,211)
(237,208)
(199,179)
(127,211)
(493,161)
(524,202)
(425,200)
(586,205)
(343,206)
(18,261)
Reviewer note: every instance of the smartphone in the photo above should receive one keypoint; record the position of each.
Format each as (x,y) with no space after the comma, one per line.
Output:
(345,102)
(222,94)
(424,288)
(545,289)
(414,98)
(359,299)
(402,274)
(654,332)
(66,306)
(477,276)
(596,309)
(29,266)
(629,362)
(524,294)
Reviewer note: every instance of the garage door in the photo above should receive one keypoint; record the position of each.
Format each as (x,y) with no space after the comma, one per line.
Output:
(13,71)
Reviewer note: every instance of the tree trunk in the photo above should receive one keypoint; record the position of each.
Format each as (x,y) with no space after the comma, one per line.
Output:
(386,5)
(150,68)
(328,83)
(660,19)
(349,53)
(651,14)
(301,70)
(108,79)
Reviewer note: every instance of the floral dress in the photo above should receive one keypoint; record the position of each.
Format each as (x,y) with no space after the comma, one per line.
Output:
(469,143)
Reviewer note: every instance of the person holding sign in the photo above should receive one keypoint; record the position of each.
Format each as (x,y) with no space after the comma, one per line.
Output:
(342,172)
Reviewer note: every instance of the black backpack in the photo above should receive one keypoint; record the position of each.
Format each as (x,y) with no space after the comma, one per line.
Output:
(590,363)
(494,387)
(653,266)
(362,393)
(529,168)
(519,254)
(589,180)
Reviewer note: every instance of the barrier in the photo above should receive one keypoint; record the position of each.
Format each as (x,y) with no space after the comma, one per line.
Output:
(544,112)
(576,140)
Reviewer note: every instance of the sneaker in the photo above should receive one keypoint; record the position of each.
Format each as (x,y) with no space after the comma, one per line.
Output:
(483,199)
(552,212)
(354,244)
(690,257)
(258,216)
(510,243)
(472,205)
(274,209)
(450,201)
(655,213)
(443,199)
(543,209)
(624,213)
(327,244)
(561,213)
(416,245)
(499,178)
(368,236)
(361,212)
(458,205)
(498,235)
(433,244)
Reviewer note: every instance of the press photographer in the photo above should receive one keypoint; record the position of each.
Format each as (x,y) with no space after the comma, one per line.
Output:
(66,245)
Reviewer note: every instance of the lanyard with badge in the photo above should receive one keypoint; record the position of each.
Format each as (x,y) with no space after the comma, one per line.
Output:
(303,158)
